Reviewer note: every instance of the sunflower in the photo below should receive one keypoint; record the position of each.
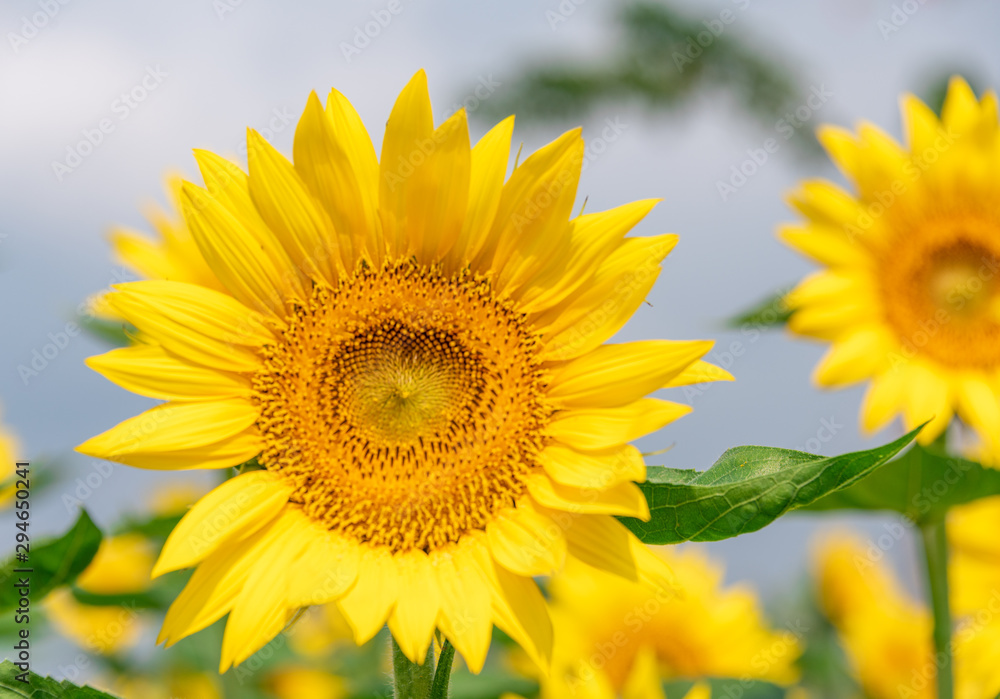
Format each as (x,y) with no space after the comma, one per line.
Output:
(9,451)
(910,297)
(887,635)
(411,351)
(121,566)
(618,638)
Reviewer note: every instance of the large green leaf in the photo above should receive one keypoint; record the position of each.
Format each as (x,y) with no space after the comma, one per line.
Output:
(53,562)
(922,484)
(38,687)
(747,489)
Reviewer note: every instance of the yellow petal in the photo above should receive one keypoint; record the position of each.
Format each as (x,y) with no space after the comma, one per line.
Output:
(532,223)
(600,541)
(325,570)
(519,609)
(413,619)
(175,433)
(614,375)
(587,318)
(298,221)
(592,469)
(466,617)
(322,164)
(979,404)
(216,583)
(928,397)
(525,541)
(592,238)
(230,187)
(205,326)
(884,398)
(623,499)
(861,353)
(960,111)
(260,610)
(920,124)
(404,147)
(699,372)
(354,206)
(367,605)
(149,370)
(236,509)
(823,244)
(643,681)
(601,428)
(488,167)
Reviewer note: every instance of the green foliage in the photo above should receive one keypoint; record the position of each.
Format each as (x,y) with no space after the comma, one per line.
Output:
(54,562)
(115,333)
(39,687)
(922,485)
(772,311)
(652,63)
(747,489)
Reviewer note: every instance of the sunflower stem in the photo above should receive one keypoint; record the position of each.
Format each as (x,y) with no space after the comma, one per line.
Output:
(442,676)
(412,680)
(936,553)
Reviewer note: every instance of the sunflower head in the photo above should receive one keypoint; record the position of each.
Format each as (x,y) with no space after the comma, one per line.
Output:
(412,348)
(910,293)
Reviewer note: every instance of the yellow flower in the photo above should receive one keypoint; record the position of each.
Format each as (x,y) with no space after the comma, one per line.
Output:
(887,635)
(121,566)
(9,453)
(910,297)
(974,567)
(319,630)
(413,349)
(617,638)
(176,685)
(295,682)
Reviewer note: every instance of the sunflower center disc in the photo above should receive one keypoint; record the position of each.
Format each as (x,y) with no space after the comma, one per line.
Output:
(405,406)
(943,295)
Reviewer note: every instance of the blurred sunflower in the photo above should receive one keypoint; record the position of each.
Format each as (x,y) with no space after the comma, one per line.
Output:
(910,297)
(616,638)
(412,349)
(974,564)
(887,635)
(121,566)
(9,452)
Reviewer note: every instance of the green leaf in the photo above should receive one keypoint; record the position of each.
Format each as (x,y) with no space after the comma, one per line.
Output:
(747,489)
(922,485)
(772,311)
(53,562)
(157,527)
(38,687)
(112,332)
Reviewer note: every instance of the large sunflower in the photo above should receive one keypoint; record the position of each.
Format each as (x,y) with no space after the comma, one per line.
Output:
(911,295)
(412,350)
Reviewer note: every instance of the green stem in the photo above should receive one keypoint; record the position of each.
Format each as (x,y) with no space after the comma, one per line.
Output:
(412,681)
(442,676)
(936,552)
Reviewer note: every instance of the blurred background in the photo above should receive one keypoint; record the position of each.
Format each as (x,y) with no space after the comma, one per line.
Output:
(674,99)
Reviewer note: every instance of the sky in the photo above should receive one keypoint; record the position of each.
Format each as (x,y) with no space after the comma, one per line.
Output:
(99,99)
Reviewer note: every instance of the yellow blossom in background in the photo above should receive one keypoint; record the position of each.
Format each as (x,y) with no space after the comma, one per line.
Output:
(319,630)
(910,293)
(974,567)
(9,452)
(413,349)
(887,635)
(304,683)
(121,566)
(617,638)
(175,685)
